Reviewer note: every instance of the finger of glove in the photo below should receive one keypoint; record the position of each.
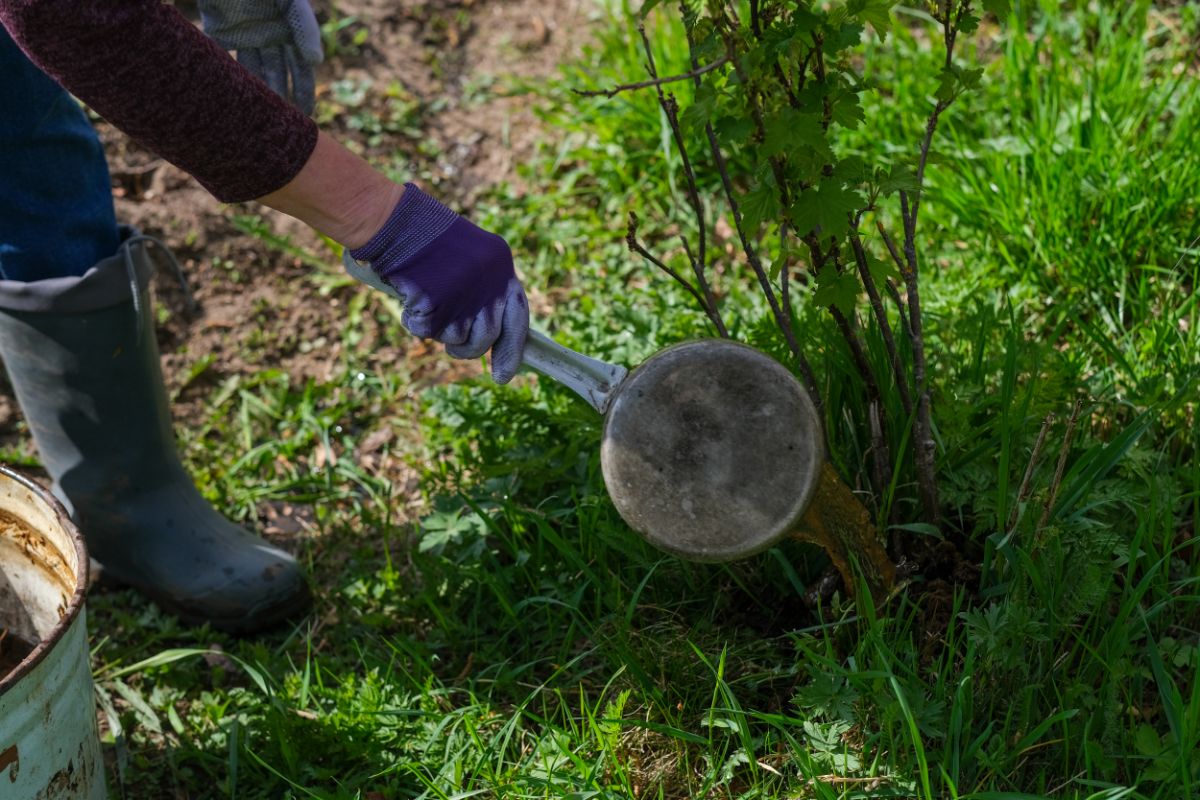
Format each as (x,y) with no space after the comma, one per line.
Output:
(514,328)
(418,324)
(483,330)
(271,67)
(417,317)
(458,334)
(254,60)
(306,33)
(251,59)
(304,86)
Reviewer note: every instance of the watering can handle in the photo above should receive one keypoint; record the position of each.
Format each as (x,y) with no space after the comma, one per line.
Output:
(593,380)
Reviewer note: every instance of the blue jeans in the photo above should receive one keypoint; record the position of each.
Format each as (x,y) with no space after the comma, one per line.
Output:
(56,208)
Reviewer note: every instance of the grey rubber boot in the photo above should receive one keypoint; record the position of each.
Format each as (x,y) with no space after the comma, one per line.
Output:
(81,355)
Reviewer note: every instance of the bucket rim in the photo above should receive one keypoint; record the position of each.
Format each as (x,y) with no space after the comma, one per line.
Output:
(75,604)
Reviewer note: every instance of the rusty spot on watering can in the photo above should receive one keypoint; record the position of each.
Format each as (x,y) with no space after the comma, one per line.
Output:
(10,757)
(64,784)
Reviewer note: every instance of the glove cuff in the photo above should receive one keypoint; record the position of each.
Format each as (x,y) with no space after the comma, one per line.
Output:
(414,223)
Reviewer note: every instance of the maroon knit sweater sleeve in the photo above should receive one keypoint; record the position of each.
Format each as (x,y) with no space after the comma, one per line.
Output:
(142,66)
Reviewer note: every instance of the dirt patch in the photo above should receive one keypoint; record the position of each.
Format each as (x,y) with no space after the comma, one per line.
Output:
(462,64)
(946,567)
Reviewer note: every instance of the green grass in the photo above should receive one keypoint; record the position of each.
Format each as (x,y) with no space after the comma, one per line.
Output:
(515,639)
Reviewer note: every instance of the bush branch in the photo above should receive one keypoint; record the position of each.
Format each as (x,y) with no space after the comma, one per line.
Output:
(881,458)
(891,287)
(671,109)
(629,87)
(636,247)
(881,317)
(925,449)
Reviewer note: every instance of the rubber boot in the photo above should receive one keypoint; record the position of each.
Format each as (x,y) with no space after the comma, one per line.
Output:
(82,358)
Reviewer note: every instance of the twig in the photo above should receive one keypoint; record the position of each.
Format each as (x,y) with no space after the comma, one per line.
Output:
(627,87)
(714,313)
(950,34)
(891,247)
(895,295)
(671,109)
(925,447)
(881,457)
(785,278)
(1062,464)
(636,247)
(1023,490)
(885,327)
(910,220)
(891,287)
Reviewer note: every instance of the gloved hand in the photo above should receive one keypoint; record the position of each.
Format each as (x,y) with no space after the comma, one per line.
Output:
(274,39)
(455,280)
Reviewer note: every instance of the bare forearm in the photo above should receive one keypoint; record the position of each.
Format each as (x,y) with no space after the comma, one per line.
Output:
(338,194)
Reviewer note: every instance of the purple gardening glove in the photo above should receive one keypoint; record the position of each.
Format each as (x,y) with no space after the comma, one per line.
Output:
(455,280)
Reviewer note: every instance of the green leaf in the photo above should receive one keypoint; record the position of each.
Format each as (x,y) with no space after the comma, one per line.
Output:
(789,130)
(947,85)
(970,78)
(760,203)
(876,13)
(800,29)
(902,178)
(836,289)
(954,80)
(847,110)
(811,98)
(708,44)
(842,38)
(881,269)
(851,170)
(826,207)
(692,9)
(736,128)
(828,694)
(1147,741)
(1095,753)
(443,528)
(697,115)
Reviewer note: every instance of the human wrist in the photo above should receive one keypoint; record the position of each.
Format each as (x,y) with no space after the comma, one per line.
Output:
(415,220)
(372,210)
(339,194)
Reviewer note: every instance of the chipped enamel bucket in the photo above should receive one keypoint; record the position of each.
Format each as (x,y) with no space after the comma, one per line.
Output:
(49,744)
